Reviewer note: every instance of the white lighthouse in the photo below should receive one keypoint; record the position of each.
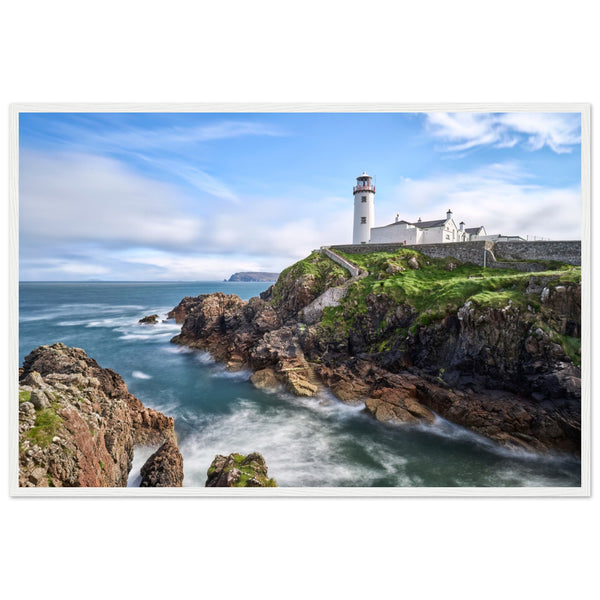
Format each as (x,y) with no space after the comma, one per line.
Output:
(364,209)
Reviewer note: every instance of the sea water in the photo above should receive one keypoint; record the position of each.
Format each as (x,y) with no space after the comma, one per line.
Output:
(305,441)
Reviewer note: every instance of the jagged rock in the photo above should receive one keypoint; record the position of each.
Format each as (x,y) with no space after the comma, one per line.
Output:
(237,470)
(164,468)
(265,379)
(413,263)
(267,295)
(32,379)
(84,433)
(149,320)
(300,386)
(39,399)
(398,404)
(501,370)
(394,268)
(345,384)
(184,308)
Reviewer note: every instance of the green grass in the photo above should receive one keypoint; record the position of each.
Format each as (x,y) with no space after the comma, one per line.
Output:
(433,291)
(247,472)
(433,287)
(24,396)
(47,423)
(323,269)
(572,348)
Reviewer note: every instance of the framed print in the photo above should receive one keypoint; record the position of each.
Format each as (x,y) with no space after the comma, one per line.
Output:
(300,300)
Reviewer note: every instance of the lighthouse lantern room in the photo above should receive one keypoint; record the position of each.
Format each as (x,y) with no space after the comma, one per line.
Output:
(364,209)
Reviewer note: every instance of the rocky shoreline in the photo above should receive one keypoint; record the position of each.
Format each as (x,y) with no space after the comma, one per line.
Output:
(79,425)
(495,368)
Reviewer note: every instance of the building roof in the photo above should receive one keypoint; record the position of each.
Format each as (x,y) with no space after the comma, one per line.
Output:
(364,176)
(473,230)
(428,224)
(393,224)
(420,224)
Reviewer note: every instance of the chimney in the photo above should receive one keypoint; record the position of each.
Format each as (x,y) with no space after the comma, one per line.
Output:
(449,214)
(397,217)
(419,220)
(462,226)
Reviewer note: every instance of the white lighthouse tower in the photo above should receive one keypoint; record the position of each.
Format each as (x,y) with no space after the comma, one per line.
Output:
(364,209)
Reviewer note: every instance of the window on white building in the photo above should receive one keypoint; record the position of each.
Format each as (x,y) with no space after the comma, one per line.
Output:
(363,220)
(363,198)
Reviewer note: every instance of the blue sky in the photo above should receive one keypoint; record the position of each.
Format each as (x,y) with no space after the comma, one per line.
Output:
(189,196)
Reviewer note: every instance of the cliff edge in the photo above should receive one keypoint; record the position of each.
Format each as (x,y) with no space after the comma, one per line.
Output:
(78,423)
(415,337)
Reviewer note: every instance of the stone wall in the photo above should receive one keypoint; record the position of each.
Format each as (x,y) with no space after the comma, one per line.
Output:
(568,251)
(473,252)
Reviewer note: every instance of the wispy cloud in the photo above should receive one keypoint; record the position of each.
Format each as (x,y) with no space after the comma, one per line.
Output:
(161,137)
(503,198)
(85,133)
(90,198)
(88,215)
(171,151)
(463,131)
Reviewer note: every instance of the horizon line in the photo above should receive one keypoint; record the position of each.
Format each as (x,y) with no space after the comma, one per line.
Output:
(136,281)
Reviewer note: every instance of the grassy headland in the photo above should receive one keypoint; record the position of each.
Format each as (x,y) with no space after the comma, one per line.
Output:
(436,288)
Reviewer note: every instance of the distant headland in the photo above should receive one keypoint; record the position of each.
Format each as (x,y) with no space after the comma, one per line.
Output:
(254,276)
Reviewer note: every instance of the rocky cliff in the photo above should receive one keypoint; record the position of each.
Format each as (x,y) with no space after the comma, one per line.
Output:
(78,424)
(237,470)
(497,352)
(254,276)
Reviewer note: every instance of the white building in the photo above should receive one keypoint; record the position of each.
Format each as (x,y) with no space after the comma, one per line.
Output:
(439,231)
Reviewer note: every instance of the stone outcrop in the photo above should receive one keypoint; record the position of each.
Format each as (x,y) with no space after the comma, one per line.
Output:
(183,309)
(502,369)
(237,470)
(78,423)
(254,276)
(149,320)
(502,416)
(164,468)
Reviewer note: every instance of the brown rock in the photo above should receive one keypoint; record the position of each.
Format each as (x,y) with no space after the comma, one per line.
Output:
(85,436)
(265,379)
(398,405)
(413,263)
(301,387)
(164,468)
(237,470)
(149,320)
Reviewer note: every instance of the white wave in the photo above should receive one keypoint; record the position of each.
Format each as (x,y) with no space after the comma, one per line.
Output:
(139,331)
(145,336)
(140,455)
(446,429)
(202,357)
(141,375)
(221,371)
(299,451)
(110,323)
(325,404)
(175,349)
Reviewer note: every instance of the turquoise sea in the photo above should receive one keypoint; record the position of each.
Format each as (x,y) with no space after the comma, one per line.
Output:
(305,441)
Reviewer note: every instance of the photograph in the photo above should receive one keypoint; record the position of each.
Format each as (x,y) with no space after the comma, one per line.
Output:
(311,300)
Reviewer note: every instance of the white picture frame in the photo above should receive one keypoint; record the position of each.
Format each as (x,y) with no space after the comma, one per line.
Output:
(582,491)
